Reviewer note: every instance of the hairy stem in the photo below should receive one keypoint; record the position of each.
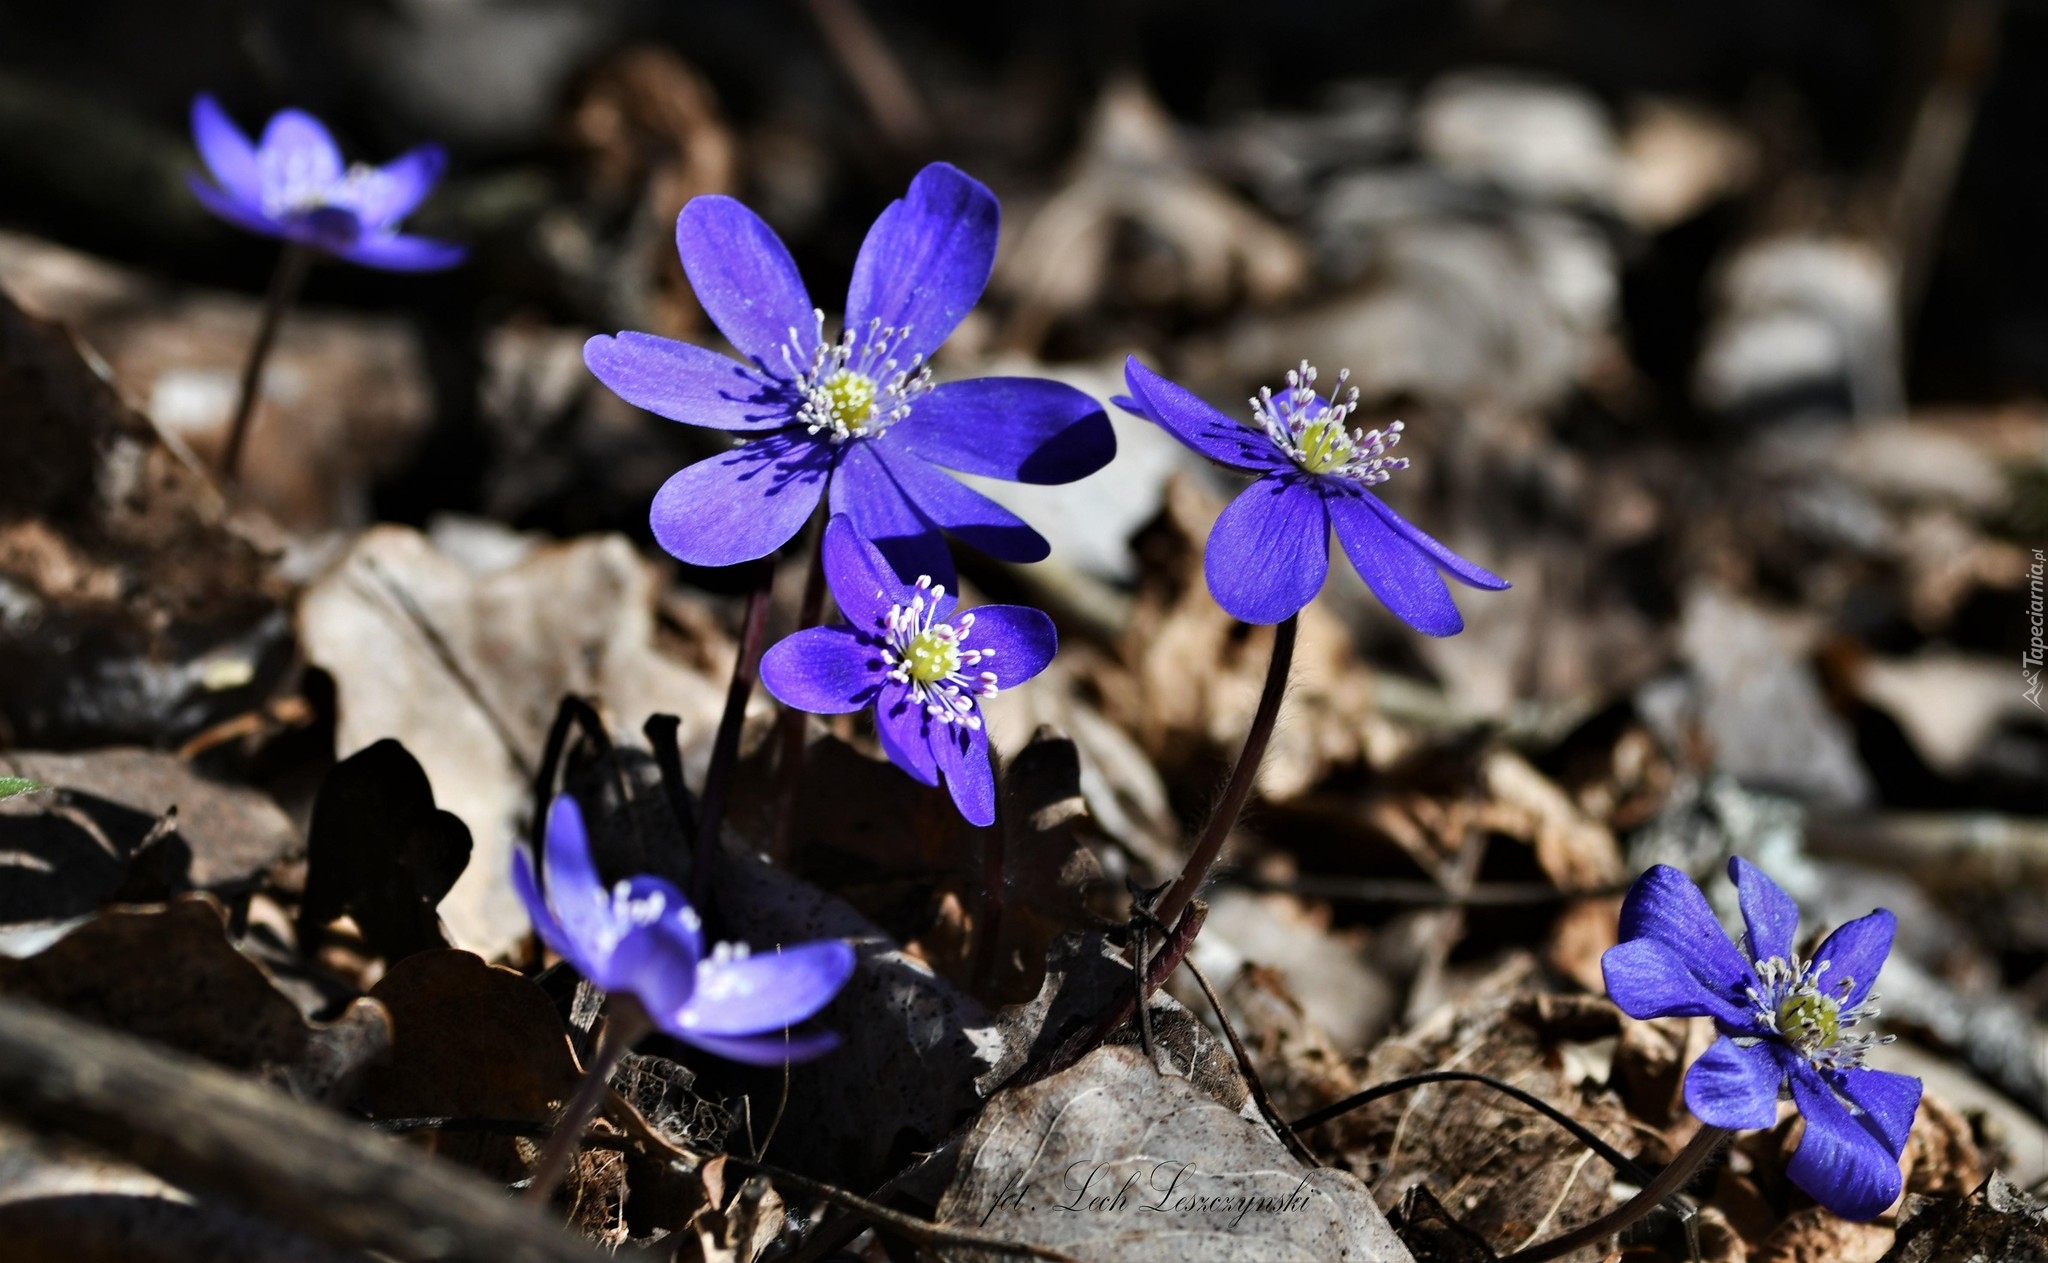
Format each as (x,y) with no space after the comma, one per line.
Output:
(725,748)
(988,932)
(624,1026)
(285,280)
(1675,1176)
(789,729)
(1239,788)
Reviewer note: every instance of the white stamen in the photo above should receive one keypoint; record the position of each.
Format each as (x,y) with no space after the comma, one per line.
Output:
(1312,432)
(933,658)
(855,387)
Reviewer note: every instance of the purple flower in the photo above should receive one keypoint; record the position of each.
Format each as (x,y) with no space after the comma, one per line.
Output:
(861,411)
(1783,1021)
(293,185)
(1270,551)
(643,938)
(924,670)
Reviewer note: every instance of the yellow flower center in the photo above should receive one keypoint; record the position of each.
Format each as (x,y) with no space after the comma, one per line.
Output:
(931,657)
(1325,445)
(851,397)
(1810,1021)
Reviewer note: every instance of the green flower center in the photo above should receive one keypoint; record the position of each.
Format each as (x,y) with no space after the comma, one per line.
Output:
(1810,1021)
(1325,445)
(850,396)
(931,657)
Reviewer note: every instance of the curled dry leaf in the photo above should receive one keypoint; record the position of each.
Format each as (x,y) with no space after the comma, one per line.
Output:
(1813,1235)
(169,973)
(1112,1160)
(1998,1220)
(379,851)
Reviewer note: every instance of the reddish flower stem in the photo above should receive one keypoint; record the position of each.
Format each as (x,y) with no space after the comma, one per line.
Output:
(1675,1176)
(626,1023)
(725,747)
(789,729)
(1238,789)
(285,280)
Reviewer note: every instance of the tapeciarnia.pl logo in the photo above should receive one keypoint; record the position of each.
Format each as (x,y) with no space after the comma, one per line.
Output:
(2030,658)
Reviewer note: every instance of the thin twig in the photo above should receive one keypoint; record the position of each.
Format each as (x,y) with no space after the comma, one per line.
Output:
(1676,1175)
(1615,1158)
(1262,1098)
(285,280)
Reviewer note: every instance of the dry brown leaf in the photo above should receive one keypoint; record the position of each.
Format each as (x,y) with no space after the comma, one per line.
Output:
(1152,1170)
(169,973)
(470,1040)
(466,668)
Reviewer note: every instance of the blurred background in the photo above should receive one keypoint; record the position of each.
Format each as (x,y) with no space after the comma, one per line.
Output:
(1720,329)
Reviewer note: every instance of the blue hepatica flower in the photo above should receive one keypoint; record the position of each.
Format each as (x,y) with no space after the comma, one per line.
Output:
(1785,1022)
(860,411)
(293,185)
(923,669)
(641,937)
(1270,551)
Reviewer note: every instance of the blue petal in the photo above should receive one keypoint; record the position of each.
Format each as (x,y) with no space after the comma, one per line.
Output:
(823,670)
(1176,410)
(227,152)
(688,383)
(1404,578)
(901,725)
(1857,951)
(764,1050)
(879,511)
(656,957)
(1646,978)
(862,583)
(1771,915)
(1735,1087)
(1889,1101)
(395,253)
(1665,906)
(245,215)
(545,922)
(1025,429)
(741,505)
(765,992)
(574,890)
(1269,551)
(926,260)
(408,179)
(1460,569)
(297,153)
(962,756)
(1023,640)
(1842,1161)
(957,508)
(746,281)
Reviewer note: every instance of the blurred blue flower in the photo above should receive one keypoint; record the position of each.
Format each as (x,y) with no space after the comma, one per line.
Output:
(294,185)
(1270,550)
(861,411)
(1784,1022)
(641,937)
(909,657)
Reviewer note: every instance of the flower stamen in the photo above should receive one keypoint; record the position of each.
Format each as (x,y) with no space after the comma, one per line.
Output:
(1311,430)
(1792,1003)
(855,387)
(932,657)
